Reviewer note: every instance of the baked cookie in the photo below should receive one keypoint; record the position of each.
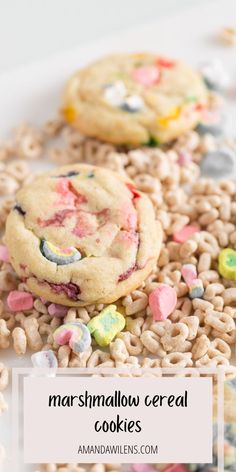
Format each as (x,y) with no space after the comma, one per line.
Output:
(82,234)
(135,99)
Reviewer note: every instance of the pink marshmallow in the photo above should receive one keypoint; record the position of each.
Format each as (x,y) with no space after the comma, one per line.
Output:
(142,468)
(147,75)
(4,254)
(182,235)
(162,302)
(43,300)
(184,158)
(57,310)
(18,301)
(189,273)
(176,468)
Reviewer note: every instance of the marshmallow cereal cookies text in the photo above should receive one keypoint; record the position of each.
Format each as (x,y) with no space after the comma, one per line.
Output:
(135,99)
(82,234)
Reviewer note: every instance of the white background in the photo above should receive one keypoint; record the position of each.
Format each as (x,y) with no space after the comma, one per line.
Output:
(34,29)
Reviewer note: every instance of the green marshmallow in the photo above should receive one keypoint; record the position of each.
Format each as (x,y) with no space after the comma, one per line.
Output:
(105,326)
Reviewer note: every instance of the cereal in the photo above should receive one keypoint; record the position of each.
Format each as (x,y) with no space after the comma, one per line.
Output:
(229,296)
(177,359)
(152,343)
(118,350)
(228,36)
(106,325)
(17,300)
(175,336)
(219,321)
(19,341)
(162,302)
(201,346)
(4,377)
(3,404)
(75,334)
(4,335)
(34,340)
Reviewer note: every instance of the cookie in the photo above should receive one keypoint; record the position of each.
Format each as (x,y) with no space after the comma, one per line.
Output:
(135,99)
(82,234)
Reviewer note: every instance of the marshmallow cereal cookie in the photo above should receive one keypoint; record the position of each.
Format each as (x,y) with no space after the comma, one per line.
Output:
(82,234)
(135,99)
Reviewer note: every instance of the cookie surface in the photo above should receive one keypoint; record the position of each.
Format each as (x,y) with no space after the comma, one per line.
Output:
(82,234)
(135,99)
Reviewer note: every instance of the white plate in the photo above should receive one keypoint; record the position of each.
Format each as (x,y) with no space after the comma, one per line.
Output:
(33,93)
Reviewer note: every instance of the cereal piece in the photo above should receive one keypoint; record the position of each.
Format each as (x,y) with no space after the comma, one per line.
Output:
(229,296)
(4,254)
(152,343)
(80,359)
(105,326)
(219,347)
(18,301)
(34,339)
(59,311)
(118,350)
(227,263)
(183,234)
(200,347)
(8,280)
(228,35)
(19,341)
(175,336)
(44,359)
(3,404)
(63,355)
(162,302)
(4,335)
(192,323)
(177,359)
(19,169)
(132,343)
(4,377)
(76,334)
(219,321)
(8,185)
